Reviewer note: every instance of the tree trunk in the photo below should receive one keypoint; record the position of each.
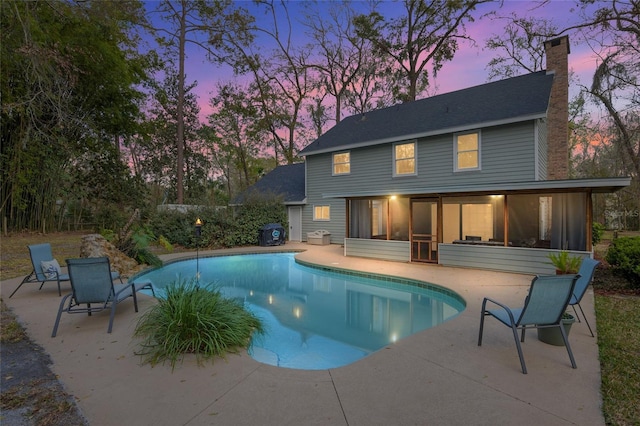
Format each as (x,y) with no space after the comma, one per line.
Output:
(180,112)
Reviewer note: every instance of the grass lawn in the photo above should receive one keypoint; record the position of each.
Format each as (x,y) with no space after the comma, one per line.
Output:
(617,311)
(618,319)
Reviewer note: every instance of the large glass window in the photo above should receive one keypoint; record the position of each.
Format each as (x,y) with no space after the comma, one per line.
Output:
(404,159)
(467,149)
(341,163)
(556,221)
(379,218)
(473,219)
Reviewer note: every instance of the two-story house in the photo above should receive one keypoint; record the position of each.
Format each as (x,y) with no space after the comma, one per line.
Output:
(475,177)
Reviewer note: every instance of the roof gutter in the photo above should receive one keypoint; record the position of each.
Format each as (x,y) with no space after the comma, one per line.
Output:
(604,185)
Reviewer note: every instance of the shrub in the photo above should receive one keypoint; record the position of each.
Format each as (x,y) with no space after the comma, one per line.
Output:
(251,216)
(109,216)
(166,244)
(175,226)
(219,227)
(134,242)
(197,320)
(624,256)
(179,227)
(597,230)
(137,247)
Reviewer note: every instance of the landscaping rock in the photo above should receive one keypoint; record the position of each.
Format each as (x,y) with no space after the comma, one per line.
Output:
(95,245)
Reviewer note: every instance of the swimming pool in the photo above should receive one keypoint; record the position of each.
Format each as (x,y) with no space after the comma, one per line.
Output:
(317,318)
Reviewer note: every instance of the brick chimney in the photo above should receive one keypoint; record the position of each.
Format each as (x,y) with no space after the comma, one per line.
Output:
(557,53)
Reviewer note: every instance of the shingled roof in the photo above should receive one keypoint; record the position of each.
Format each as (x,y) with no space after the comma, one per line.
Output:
(286,181)
(506,101)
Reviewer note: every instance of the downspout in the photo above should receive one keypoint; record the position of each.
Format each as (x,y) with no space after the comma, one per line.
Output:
(589,221)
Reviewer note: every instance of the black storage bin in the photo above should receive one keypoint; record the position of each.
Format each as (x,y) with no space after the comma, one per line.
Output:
(271,234)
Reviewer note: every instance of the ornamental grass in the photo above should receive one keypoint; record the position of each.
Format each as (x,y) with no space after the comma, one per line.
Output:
(194,319)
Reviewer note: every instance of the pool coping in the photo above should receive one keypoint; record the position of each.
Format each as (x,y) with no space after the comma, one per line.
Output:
(382,277)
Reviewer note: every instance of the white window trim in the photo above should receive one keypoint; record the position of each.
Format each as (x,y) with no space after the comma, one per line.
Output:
(455,151)
(333,163)
(321,219)
(415,158)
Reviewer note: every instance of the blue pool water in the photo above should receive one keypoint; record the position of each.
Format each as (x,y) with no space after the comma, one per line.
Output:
(316,318)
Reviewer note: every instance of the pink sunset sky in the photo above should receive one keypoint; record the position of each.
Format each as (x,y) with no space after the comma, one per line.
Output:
(469,66)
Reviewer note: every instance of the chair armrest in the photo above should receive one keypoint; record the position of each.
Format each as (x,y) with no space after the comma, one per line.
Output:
(61,276)
(502,305)
(143,285)
(124,288)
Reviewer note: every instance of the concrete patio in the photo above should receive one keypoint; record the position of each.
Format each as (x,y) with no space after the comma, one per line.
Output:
(436,377)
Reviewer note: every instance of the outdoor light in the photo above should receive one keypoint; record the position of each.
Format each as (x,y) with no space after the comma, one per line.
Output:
(198,234)
(198,227)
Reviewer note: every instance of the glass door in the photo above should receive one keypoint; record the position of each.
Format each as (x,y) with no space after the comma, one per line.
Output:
(424,230)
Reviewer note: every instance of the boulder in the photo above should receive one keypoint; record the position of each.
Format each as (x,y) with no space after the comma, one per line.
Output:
(95,245)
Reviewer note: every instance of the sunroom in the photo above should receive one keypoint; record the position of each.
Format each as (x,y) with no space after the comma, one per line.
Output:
(509,227)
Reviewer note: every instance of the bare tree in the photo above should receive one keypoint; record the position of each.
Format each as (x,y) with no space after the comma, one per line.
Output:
(342,55)
(370,90)
(613,32)
(520,46)
(280,74)
(427,34)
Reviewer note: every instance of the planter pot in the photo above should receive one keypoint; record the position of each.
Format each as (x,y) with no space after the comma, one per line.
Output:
(552,335)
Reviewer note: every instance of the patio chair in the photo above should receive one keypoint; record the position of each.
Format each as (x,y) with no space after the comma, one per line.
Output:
(46,268)
(547,300)
(587,269)
(92,289)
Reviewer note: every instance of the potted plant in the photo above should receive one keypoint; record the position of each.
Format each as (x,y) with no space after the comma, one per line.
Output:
(552,335)
(564,262)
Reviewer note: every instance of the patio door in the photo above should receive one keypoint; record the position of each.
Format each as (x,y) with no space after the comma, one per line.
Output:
(424,230)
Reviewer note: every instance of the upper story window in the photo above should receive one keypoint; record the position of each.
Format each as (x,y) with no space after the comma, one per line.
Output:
(321,213)
(404,159)
(467,151)
(342,163)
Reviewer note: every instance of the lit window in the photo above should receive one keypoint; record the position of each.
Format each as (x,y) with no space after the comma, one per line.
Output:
(321,213)
(341,163)
(404,158)
(467,146)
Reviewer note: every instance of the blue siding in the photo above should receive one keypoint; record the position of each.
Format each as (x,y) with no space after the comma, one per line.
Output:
(318,180)
(509,259)
(398,251)
(507,155)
